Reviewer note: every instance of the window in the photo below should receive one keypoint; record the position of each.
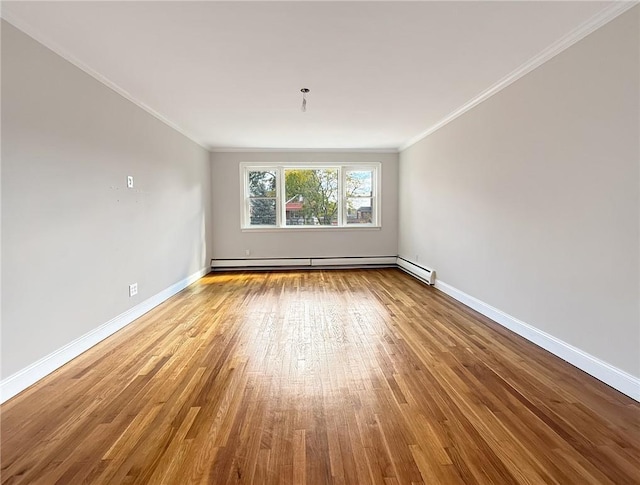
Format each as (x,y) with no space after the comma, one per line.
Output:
(359,196)
(311,196)
(262,200)
(320,196)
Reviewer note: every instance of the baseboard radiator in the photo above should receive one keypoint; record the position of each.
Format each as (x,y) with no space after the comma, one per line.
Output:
(422,273)
(293,263)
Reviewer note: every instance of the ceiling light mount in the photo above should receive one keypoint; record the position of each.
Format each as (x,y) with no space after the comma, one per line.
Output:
(304,92)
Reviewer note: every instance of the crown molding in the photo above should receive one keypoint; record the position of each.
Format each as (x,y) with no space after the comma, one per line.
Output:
(300,150)
(603,17)
(594,23)
(32,32)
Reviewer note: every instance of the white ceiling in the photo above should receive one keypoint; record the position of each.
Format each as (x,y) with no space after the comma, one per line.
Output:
(228,74)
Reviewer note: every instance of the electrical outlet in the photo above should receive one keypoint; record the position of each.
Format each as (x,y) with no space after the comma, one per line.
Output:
(130,181)
(247,252)
(133,289)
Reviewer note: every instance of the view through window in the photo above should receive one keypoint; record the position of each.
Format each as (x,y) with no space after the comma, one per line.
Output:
(359,196)
(262,197)
(320,196)
(311,197)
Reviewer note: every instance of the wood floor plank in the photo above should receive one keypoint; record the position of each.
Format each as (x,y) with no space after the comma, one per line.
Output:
(343,377)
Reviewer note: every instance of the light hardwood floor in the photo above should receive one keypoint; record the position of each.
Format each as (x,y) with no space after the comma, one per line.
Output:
(344,377)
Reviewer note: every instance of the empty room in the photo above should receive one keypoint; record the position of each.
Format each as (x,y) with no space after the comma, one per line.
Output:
(323,242)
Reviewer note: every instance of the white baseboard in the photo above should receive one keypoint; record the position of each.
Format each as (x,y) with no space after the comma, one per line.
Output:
(616,378)
(28,376)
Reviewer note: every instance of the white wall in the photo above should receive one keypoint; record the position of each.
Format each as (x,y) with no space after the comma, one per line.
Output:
(73,235)
(230,242)
(530,202)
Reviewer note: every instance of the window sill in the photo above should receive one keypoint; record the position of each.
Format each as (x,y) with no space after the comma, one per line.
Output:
(310,229)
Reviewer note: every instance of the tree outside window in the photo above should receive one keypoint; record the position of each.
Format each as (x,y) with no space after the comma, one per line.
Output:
(262,198)
(312,196)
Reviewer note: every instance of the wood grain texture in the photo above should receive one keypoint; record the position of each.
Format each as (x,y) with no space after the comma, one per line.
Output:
(346,377)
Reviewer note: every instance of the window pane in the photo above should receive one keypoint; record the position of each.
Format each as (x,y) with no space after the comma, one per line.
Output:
(311,197)
(262,212)
(359,210)
(359,183)
(262,183)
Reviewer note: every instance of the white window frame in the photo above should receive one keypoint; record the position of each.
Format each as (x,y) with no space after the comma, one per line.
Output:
(375,193)
(279,168)
(245,198)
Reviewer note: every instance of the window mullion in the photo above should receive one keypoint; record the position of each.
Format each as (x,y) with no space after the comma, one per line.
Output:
(375,195)
(341,198)
(280,205)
